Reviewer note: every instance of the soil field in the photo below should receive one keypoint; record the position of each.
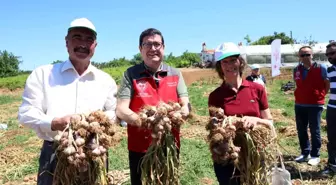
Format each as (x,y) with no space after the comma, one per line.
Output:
(192,75)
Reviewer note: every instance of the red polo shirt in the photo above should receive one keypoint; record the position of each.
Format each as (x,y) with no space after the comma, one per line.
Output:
(247,101)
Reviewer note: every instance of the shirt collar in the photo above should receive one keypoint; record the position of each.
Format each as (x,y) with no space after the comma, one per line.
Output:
(67,65)
(313,64)
(245,83)
(162,67)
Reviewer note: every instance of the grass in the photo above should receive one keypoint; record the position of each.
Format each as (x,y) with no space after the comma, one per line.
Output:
(9,99)
(22,171)
(196,164)
(199,93)
(13,82)
(195,159)
(118,157)
(279,100)
(19,81)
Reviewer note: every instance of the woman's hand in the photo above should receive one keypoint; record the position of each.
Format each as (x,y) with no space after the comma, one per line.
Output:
(250,121)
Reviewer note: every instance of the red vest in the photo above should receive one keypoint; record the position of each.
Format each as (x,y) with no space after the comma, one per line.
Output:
(146,92)
(312,89)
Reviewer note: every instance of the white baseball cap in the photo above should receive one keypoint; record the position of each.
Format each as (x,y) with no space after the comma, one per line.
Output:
(255,66)
(225,50)
(83,23)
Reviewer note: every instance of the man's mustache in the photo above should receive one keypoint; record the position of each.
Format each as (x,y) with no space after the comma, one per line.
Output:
(82,49)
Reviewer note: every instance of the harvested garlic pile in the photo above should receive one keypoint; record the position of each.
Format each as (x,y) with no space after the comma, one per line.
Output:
(222,131)
(251,150)
(82,146)
(162,155)
(160,119)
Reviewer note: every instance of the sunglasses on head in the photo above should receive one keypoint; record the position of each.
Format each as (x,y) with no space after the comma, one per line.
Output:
(305,55)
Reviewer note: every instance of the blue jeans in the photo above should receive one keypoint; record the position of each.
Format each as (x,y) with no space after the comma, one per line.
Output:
(309,116)
(47,165)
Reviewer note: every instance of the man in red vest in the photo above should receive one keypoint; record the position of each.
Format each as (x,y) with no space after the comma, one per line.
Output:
(312,85)
(148,83)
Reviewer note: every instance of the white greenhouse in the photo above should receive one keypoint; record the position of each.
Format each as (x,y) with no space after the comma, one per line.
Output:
(261,54)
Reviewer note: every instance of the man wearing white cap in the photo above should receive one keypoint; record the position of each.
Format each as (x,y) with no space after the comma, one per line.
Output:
(53,93)
(256,76)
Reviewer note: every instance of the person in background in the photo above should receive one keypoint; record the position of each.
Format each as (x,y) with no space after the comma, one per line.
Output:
(54,93)
(237,96)
(312,86)
(256,76)
(331,111)
(148,83)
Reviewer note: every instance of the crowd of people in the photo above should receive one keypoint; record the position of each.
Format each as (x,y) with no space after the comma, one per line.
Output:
(53,93)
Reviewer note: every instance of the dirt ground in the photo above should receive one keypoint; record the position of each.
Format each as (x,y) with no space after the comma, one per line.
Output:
(11,92)
(192,75)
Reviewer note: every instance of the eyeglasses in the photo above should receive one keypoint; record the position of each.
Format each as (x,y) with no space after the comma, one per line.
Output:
(330,53)
(305,55)
(148,45)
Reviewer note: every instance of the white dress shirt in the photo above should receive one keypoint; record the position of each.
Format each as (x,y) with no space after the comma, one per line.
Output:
(57,90)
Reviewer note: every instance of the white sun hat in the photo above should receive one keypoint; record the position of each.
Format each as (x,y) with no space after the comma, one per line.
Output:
(82,23)
(225,50)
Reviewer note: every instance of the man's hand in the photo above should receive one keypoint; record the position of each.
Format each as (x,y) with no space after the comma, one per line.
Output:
(185,111)
(60,123)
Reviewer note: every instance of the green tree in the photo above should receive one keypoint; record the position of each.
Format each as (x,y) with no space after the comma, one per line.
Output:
(171,60)
(248,39)
(57,61)
(267,40)
(191,57)
(9,64)
(137,59)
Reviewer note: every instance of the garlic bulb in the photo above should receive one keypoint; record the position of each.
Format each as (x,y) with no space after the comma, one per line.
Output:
(69,150)
(80,141)
(96,152)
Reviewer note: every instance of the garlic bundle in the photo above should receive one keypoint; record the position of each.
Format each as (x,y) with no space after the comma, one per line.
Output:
(251,150)
(160,119)
(222,131)
(82,143)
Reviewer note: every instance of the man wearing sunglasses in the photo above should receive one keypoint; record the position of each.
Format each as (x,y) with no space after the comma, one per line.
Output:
(148,83)
(312,86)
(331,111)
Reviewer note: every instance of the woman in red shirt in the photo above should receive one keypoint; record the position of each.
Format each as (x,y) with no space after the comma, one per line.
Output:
(239,97)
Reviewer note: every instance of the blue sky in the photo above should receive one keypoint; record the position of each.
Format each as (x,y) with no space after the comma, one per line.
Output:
(35,29)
